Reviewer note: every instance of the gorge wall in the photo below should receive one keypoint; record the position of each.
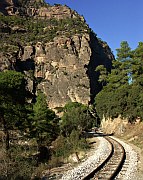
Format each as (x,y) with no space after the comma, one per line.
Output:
(63,67)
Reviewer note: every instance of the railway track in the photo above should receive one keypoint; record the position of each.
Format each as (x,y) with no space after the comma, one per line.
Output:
(112,160)
(112,165)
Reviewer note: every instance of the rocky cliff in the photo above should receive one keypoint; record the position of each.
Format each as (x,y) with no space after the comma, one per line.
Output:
(36,9)
(55,48)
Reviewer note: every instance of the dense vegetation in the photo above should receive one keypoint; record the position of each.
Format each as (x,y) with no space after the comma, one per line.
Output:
(122,88)
(29,129)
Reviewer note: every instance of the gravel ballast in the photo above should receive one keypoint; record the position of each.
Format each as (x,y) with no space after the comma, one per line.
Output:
(91,163)
(130,166)
(127,173)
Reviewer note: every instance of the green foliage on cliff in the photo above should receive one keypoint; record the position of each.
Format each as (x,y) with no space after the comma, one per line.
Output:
(122,92)
(16,30)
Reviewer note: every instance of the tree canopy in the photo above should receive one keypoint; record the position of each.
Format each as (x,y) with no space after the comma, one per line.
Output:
(122,93)
(13,95)
(44,122)
(76,117)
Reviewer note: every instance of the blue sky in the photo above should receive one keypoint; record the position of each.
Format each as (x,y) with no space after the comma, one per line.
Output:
(112,20)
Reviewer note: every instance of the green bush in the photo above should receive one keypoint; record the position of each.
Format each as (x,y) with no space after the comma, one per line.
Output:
(64,146)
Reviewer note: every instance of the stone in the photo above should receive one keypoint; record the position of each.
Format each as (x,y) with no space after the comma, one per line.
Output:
(65,65)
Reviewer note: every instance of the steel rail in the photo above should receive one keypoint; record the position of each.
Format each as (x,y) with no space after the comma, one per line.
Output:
(97,172)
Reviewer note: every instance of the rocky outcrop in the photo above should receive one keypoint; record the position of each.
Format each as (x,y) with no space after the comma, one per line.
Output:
(116,126)
(64,67)
(64,70)
(37,9)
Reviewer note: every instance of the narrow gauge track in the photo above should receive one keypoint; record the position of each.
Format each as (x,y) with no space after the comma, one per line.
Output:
(110,168)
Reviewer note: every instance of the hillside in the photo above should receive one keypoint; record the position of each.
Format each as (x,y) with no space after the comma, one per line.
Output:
(48,57)
(54,45)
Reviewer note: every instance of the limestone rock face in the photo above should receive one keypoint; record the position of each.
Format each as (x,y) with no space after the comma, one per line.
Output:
(63,70)
(62,67)
(67,67)
(116,126)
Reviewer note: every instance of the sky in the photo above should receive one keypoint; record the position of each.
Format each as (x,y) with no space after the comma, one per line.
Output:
(112,20)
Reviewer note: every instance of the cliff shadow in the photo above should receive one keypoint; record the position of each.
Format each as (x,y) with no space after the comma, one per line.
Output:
(3,5)
(6,6)
(26,65)
(101,55)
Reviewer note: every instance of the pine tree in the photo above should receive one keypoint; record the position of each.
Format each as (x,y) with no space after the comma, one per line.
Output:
(13,95)
(44,123)
(124,52)
(112,100)
(137,64)
(122,94)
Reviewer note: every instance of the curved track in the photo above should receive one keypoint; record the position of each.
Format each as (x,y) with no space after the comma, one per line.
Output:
(110,168)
